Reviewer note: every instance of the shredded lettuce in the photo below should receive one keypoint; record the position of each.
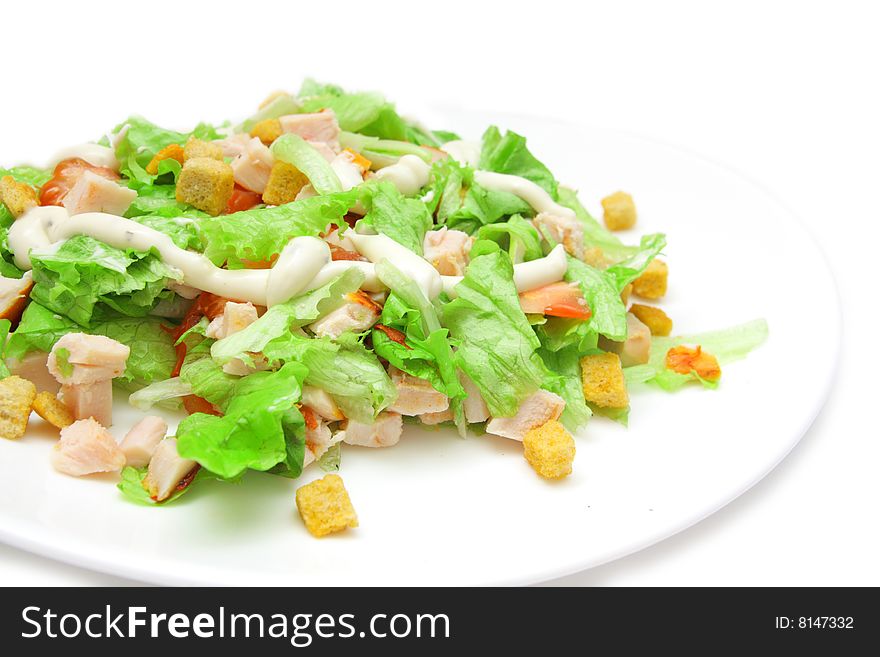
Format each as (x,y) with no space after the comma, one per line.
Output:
(152,355)
(295,150)
(565,381)
(84,273)
(497,346)
(727,345)
(279,320)
(160,392)
(141,141)
(262,233)
(261,427)
(405,220)
(517,235)
(508,154)
(5,325)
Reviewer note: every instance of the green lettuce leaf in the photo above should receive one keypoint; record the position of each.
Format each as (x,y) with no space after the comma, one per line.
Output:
(260,420)
(518,236)
(143,139)
(405,220)
(295,150)
(152,355)
(261,233)
(595,235)
(497,347)
(508,154)
(83,272)
(131,486)
(182,230)
(5,325)
(158,200)
(343,367)
(566,382)
(281,319)
(727,345)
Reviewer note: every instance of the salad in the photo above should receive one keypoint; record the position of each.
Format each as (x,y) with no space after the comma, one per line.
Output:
(313,279)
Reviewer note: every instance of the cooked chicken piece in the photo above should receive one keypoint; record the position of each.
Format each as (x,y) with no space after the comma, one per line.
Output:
(251,169)
(166,470)
(475,409)
(437,418)
(86,447)
(321,402)
(448,250)
(14,296)
(384,432)
(636,349)
(142,439)
(93,351)
(348,172)
(536,410)
(235,145)
(415,396)
(87,400)
(357,314)
(568,231)
(320,126)
(33,368)
(94,193)
(236,316)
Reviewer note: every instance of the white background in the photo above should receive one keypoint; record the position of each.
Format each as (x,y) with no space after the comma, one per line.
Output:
(786,93)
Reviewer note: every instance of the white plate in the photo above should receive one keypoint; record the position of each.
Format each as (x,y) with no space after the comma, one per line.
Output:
(439,510)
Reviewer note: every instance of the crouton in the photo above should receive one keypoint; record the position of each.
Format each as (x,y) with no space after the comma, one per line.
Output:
(16,399)
(535,410)
(206,184)
(85,448)
(625,293)
(170,152)
(603,382)
(51,409)
(549,449)
(200,148)
(652,283)
(17,196)
(619,211)
(655,319)
(285,182)
(595,257)
(267,131)
(685,360)
(325,506)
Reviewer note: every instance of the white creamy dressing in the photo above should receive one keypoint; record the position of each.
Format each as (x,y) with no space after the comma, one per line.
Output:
(409,175)
(466,152)
(526,275)
(305,263)
(528,191)
(95,154)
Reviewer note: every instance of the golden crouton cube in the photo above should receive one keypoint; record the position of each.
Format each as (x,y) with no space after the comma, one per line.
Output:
(602,378)
(652,283)
(17,196)
(625,292)
(549,449)
(655,319)
(267,131)
(52,410)
(619,211)
(200,148)
(325,506)
(206,184)
(16,399)
(170,152)
(685,360)
(285,182)
(595,257)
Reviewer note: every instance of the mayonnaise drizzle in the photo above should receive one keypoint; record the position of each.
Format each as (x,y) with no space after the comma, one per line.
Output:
(527,275)
(100,156)
(409,174)
(300,261)
(528,191)
(381,247)
(466,152)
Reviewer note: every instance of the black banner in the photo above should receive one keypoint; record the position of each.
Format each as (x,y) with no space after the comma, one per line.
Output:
(436,621)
